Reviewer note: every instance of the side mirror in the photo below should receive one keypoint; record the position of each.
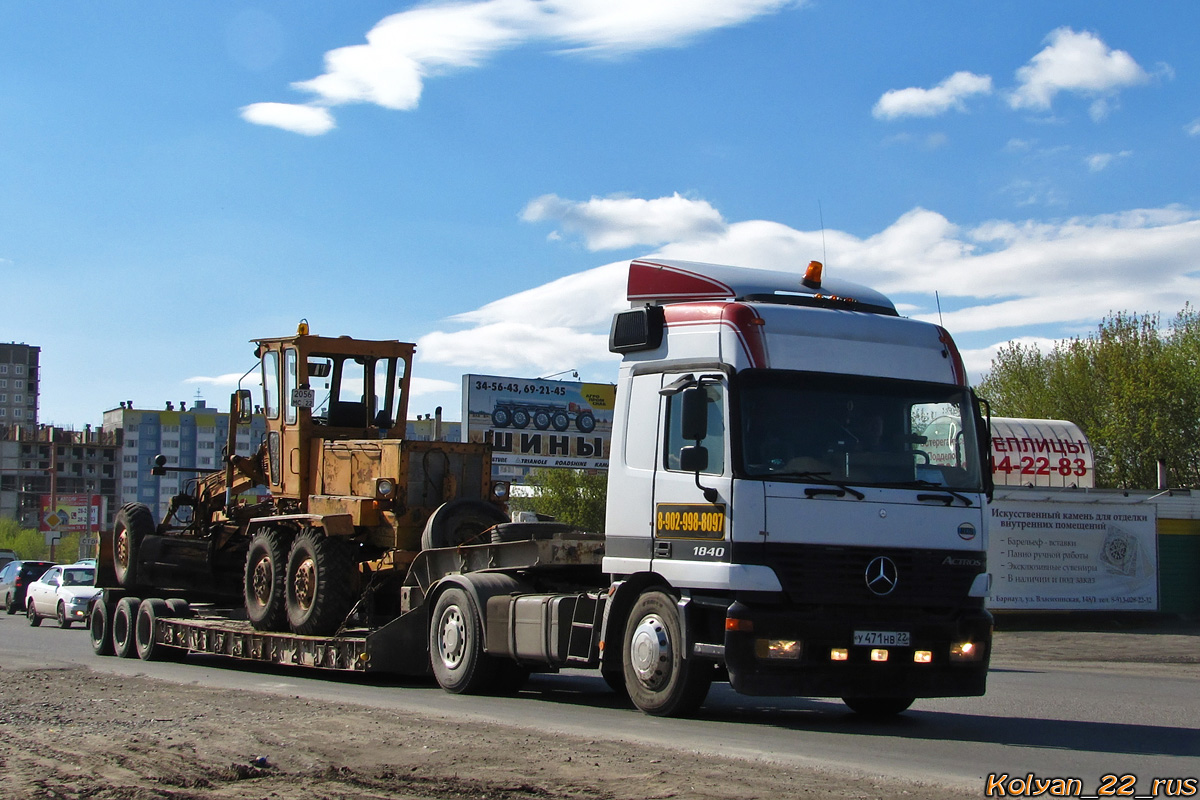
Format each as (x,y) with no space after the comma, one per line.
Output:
(245,406)
(693,458)
(694,414)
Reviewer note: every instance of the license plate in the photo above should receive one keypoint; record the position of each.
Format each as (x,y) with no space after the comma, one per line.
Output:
(882,638)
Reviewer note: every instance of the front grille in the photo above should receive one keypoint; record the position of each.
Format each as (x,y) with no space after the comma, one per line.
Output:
(822,574)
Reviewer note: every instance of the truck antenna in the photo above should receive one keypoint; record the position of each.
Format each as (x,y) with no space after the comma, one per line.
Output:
(821,216)
(939,305)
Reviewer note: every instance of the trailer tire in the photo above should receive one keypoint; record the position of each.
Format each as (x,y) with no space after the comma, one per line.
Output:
(134,521)
(319,591)
(460,522)
(124,619)
(877,707)
(99,626)
(520,418)
(148,613)
(560,421)
(456,646)
(179,608)
(660,680)
(585,422)
(264,580)
(500,418)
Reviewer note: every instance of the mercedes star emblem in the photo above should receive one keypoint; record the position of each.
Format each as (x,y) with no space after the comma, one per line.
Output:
(882,575)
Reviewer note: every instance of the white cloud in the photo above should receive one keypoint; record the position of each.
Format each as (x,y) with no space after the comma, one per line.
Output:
(611,223)
(405,49)
(306,119)
(979,361)
(229,379)
(947,95)
(1000,277)
(1098,162)
(1193,127)
(1078,62)
(422,386)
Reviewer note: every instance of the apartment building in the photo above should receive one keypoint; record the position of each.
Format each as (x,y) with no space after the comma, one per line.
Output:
(19,384)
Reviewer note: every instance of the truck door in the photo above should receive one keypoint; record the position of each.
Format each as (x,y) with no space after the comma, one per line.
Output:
(693,479)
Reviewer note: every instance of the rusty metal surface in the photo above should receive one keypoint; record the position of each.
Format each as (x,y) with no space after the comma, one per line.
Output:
(238,639)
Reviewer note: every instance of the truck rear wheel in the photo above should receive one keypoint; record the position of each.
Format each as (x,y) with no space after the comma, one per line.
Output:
(878,706)
(520,418)
(500,417)
(264,584)
(456,646)
(541,419)
(99,625)
(660,680)
(124,621)
(320,577)
(585,422)
(560,421)
(134,521)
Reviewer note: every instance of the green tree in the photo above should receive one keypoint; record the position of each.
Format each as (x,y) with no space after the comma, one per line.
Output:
(1133,387)
(26,543)
(573,496)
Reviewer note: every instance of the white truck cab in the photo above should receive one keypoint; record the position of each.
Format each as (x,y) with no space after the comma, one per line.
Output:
(767,464)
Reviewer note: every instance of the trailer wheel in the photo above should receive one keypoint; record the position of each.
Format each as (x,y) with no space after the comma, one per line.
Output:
(99,623)
(877,707)
(179,608)
(520,418)
(460,522)
(560,420)
(264,584)
(148,613)
(320,577)
(500,418)
(133,522)
(585,422)
(124,620)
(456,646)
(660,680)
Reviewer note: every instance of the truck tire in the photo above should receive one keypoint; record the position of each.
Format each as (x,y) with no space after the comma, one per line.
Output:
(133,522)
(148,648)
(179,608)
(520,418)
(585,422)
(264,581)
(876,707)
(124,619)
(456,646)
(500,418)
(541,419)
(319,585)
(660,680)
(560,420)
(32,615)
(461,521)
(99,625)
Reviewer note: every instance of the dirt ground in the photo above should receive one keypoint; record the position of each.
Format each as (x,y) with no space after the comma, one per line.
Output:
(74,733)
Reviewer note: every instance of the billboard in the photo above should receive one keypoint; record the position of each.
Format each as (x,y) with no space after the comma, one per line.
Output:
(69,513)
(1080,556)
(1041,452)
(539,423)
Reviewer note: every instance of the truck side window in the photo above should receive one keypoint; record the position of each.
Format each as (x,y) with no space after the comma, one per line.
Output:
(289,383)
(270,365)
(714,441)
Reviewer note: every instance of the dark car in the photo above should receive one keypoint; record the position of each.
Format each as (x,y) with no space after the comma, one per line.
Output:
(15,579)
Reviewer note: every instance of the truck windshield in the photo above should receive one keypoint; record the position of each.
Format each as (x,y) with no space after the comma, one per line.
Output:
(823,428)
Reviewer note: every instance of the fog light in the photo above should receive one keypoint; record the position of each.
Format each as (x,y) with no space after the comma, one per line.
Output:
(923,657)
(778,649)
(839,654)
(965,651)
(879,654)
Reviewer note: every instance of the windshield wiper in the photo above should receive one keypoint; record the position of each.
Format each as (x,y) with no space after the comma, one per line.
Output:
(820,477)
(944,493)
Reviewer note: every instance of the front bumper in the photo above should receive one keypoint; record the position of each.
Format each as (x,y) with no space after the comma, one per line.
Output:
(816,674)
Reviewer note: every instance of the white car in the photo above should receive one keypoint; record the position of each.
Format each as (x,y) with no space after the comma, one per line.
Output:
(64,592)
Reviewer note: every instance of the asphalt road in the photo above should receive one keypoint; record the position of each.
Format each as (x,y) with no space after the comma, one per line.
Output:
(1053,720)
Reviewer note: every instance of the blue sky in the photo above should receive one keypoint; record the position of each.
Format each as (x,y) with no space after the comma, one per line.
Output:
(176,179)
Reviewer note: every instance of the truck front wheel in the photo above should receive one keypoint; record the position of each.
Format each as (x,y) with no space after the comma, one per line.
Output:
(264,581)
(660,680)
(456,645)
(320,577)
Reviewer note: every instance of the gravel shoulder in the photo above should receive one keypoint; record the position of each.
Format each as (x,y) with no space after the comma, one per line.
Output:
(74,733)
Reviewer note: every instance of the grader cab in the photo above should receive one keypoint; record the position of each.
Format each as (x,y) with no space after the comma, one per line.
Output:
(351,501)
